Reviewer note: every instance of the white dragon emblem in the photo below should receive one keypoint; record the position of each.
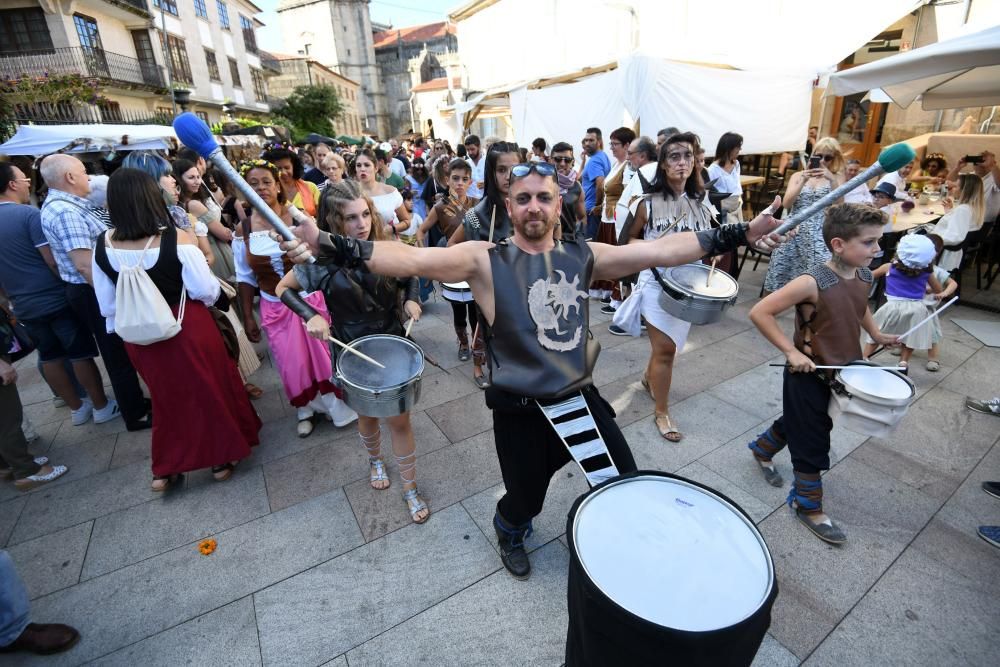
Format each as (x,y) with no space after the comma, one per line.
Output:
(551,302)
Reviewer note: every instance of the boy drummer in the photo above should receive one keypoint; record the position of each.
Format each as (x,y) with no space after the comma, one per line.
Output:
(831,306)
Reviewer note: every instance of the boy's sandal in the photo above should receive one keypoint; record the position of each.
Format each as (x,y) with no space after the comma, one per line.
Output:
(933,365)
(481,381)
(668,429)
(904,367)
(771,474)
(827,531)
(416,504)
(223,472)
(377,474)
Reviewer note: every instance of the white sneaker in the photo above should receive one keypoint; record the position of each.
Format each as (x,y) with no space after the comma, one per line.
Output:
(304,428)
(337,410)
(82,414)
(107,413)
(342,414)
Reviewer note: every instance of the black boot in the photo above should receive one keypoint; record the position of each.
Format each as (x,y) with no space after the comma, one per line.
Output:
(512,553)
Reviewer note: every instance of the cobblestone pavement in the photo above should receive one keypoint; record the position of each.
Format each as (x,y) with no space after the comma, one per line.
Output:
(315,567)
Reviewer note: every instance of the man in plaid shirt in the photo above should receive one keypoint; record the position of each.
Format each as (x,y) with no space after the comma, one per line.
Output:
(72,229)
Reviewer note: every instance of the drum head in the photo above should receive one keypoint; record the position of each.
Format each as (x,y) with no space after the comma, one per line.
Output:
(693,279)
(458,287)
(886,384)
(403,361)
(673,553)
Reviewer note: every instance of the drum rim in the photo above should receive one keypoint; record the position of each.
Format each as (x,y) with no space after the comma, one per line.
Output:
(582,501)
(701,267)
(382,390)
(456,287)
(874,398)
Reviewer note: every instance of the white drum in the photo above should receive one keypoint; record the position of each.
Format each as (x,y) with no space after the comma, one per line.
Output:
(674,554)
(871,402)
(689,295)
(457,292)
(665,571)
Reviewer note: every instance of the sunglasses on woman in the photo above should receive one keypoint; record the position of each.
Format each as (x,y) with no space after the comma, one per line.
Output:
(540,168)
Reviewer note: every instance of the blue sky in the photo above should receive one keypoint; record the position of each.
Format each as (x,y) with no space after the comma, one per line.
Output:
(400,13)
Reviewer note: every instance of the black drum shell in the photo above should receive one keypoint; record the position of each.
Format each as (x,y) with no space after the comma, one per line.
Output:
(602,633)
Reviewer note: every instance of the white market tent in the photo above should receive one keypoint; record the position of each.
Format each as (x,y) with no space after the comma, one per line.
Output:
(40,140)
(960,72)
(709,66)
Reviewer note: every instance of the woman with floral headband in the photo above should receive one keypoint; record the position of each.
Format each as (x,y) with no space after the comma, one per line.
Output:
(303,363)
(302,194)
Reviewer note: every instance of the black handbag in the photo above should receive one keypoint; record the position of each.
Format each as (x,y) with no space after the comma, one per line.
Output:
(14,339)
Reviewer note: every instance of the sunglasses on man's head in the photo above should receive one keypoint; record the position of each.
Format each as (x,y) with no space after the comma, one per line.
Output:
(540,168)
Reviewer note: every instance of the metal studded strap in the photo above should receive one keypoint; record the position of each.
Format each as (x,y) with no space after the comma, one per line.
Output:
(572,421)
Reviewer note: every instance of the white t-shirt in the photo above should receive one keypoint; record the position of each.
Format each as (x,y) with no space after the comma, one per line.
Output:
(897,180)
(478,176)
(632,189)
(726,181)
(415,222)
(953,228)
(397,167)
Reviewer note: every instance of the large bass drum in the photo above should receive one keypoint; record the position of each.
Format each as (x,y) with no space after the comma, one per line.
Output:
(664,570)
(381,392)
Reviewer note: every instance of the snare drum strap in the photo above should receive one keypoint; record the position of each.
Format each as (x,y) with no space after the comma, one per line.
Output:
(572,421)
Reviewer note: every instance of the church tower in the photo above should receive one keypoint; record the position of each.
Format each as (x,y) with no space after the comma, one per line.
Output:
(338,34)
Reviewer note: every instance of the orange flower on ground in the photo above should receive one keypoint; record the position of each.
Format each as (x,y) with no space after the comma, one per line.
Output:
(206,547)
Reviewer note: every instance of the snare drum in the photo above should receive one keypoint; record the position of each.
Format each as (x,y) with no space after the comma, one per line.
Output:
(665,570)
(690,296)
(381,392)
(456,292)
(872,402)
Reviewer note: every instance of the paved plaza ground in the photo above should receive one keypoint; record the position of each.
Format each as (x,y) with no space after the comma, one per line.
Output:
(314,567)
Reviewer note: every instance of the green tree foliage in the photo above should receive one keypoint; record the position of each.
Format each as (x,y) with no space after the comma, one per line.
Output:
(310,109)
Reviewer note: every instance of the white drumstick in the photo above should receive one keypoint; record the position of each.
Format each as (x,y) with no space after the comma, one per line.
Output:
(409,325)
(711,272)
(859,367)
(353,351)
(928,318)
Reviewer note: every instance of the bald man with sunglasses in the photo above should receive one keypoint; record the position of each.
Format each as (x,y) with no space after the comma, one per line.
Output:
(532,293)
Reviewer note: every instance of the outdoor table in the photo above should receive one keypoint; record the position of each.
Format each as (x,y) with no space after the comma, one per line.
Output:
(921,215)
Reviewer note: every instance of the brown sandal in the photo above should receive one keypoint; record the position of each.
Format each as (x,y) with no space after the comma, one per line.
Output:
(668,429)
(253,391)
(161,484)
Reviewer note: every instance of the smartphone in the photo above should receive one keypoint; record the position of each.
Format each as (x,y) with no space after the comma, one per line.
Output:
(815,161)
(973,159)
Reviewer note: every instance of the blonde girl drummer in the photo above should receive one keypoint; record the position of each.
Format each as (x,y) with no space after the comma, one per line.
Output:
(361,304)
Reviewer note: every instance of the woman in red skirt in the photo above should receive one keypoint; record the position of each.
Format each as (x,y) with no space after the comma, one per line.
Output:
(204,418)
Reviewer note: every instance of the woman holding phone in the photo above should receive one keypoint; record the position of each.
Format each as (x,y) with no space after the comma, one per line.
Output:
(824,172)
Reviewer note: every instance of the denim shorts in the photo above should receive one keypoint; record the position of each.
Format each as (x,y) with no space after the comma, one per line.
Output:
(60,336)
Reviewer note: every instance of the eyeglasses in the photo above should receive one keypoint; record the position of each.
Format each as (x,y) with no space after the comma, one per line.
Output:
(562,160)
(616,144)
(540,168)
(677,157)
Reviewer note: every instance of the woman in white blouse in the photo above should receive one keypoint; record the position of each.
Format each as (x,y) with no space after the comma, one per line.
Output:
(386,198)
(724,172)
(203,416)
(963,211)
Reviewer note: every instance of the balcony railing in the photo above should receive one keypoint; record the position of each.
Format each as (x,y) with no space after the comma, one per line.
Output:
(112,67)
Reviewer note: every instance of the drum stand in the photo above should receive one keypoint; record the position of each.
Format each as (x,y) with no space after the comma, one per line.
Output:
(574,424)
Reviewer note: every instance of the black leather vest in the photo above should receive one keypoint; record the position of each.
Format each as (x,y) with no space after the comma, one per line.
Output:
(540,344)
(362,303)
(477,222)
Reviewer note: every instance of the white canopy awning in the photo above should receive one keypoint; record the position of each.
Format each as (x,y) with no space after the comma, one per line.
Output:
(959,72)
(44,139)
